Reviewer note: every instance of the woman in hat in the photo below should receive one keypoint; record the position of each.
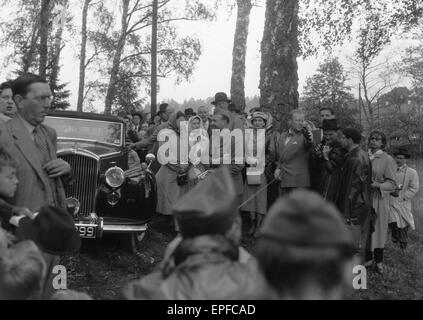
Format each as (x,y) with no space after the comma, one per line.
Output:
(401,217)
(172,177)
(384,182)
(255,195)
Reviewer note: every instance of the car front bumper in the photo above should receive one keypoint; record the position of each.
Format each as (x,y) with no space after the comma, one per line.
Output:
(97,229)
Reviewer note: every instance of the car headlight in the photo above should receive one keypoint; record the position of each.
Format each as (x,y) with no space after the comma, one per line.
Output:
(115,177)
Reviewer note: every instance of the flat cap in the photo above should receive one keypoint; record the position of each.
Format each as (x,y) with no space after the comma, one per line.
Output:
(304,218)
(210,208)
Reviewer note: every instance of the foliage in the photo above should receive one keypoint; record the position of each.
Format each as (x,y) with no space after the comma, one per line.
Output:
(325,24)
(328,88)
(22,32)
(177,54)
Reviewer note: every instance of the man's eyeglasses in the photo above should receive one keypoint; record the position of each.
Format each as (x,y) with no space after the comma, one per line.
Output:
(375,139)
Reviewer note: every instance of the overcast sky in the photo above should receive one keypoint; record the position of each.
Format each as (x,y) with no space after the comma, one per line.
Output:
(213,71)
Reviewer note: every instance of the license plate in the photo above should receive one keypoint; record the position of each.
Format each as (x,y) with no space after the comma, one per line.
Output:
(87,231)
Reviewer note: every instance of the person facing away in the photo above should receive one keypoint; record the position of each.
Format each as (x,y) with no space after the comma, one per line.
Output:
(401,217)
(293,155)
(354,190)
(206,264)
(305,250)
(22,269)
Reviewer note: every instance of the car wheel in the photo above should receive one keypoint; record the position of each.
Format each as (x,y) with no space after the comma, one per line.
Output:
(131,242)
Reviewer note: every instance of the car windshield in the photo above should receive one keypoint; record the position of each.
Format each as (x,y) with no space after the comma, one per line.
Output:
(91,130)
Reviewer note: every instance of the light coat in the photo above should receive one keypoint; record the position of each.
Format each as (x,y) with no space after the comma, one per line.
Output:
(401,207)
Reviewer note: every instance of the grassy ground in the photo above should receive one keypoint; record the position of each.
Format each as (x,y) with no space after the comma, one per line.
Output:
(103,268)
(403,279)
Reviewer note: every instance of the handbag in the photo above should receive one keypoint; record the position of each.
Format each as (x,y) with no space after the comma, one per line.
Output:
(254,176)
(182,179)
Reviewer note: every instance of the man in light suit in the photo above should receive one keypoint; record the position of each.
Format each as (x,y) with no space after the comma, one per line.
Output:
(293,155)
(33,145)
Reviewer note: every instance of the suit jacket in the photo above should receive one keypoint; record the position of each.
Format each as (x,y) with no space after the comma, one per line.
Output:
(293,161)
(35,189)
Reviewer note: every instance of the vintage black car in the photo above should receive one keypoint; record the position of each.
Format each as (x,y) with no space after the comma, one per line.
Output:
(107,196)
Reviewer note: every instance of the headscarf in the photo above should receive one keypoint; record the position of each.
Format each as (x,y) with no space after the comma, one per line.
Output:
(191,120)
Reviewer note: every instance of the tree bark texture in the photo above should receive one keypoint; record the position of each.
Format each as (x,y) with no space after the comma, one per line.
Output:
(154,58)
(240,53)
(83,56)
(44,31)
(57,49)
(280,50)
(117,58)
(29,56)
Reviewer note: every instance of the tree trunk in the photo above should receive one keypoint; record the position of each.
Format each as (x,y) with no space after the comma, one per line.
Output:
(240,53)
(280,49)
(80,105)
(44,31)
(29,56)
(57,49)
(116,60)
(154,59)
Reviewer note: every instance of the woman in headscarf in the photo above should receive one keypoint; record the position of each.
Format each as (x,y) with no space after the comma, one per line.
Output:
(255,195)
(198,151)
(384,183)
(170,178)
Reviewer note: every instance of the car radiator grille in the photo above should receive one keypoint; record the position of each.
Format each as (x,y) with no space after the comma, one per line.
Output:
(85,174)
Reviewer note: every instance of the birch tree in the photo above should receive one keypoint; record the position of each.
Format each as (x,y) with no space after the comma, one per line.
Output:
(240,52)
(280,49)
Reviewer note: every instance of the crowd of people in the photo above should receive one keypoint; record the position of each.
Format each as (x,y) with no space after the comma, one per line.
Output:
(321,201)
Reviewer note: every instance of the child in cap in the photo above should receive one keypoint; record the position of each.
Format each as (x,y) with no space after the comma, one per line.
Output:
(8,185)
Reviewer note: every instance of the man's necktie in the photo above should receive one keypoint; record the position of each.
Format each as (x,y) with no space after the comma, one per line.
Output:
(42,146)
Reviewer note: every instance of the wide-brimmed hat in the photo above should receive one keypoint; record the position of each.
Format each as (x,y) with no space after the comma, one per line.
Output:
(330,124)
(210,208)
(402,151)
(53,230)
(219,97)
